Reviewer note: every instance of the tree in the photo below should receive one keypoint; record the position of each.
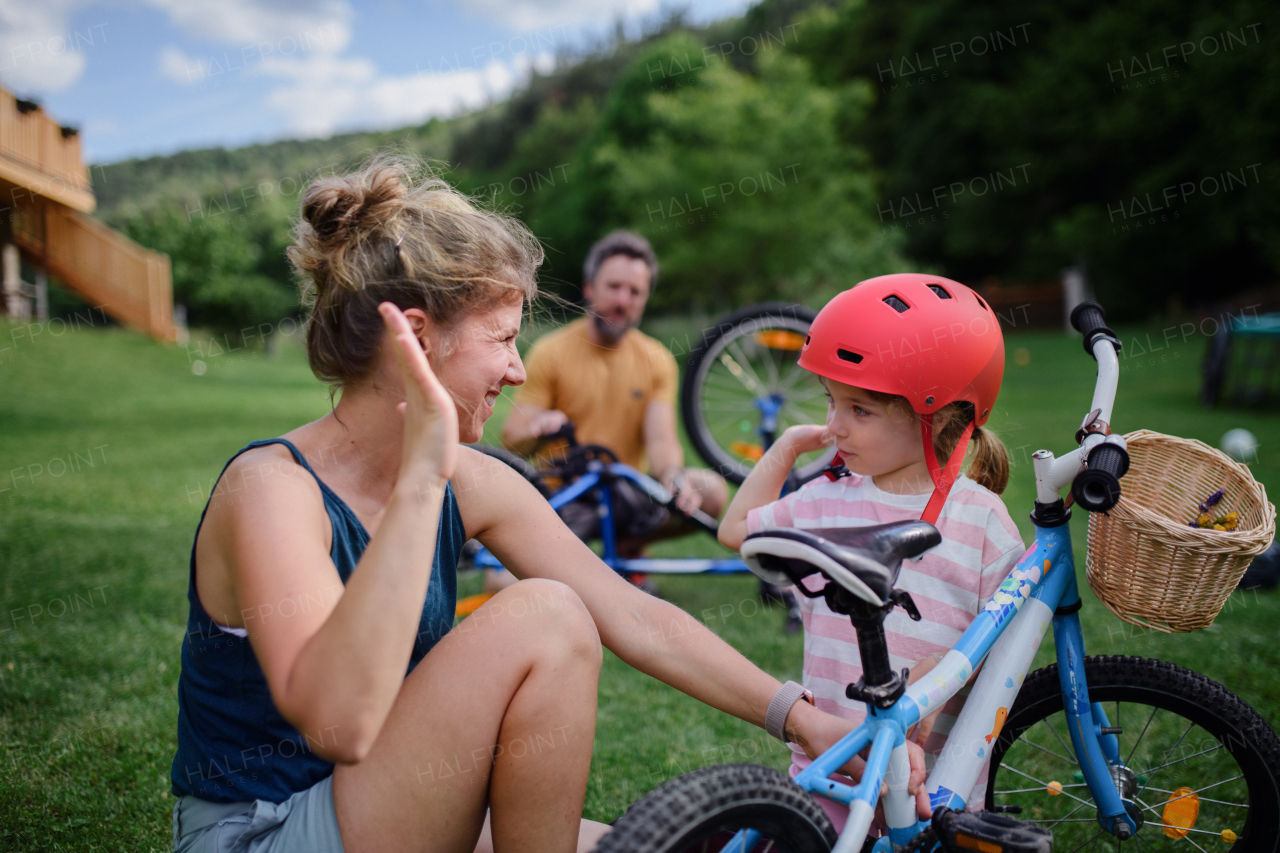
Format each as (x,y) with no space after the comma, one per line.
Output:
(740,181)
(1104,115)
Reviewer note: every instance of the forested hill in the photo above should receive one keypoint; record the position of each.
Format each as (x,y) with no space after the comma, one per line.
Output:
(811,143)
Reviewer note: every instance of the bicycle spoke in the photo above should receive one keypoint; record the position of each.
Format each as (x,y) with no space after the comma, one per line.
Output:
(1050,751)
(800,416)
(1170,752)
(1090,841)
(1068,819)
(793,376)
(1206,799)
(1151,773)
(746,362)
(811,394)
(737,372)
(1141,735)
(1039,790)
(1059,737)
(1044,785)
(1183,828)
(1145,841)
(1197,794)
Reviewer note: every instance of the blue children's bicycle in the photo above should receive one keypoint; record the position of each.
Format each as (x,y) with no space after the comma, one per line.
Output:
(1090,753)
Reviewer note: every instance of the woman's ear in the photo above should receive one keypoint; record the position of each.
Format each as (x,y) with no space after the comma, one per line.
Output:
(421,325)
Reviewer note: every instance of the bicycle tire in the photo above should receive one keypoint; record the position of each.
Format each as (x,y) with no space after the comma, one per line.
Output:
(710,443)
(710,804)
(521,465)
(1182,695)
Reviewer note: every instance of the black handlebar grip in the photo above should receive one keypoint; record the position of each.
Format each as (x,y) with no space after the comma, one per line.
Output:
(1097,487)
(1090,320)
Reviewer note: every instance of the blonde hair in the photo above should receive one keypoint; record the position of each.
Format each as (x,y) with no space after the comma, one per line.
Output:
(394,231)
(989,463)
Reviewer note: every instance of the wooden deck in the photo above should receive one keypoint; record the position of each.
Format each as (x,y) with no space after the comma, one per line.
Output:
(46,201)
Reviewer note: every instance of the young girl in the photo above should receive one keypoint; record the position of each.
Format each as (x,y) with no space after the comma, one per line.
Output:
(903,358)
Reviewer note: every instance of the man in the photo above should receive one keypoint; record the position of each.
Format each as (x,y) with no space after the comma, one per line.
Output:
(614,383)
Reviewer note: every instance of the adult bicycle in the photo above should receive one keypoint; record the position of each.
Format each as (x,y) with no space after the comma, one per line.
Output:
(1091,753)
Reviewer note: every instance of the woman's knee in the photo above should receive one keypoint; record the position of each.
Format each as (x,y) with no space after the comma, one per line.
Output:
(549,611)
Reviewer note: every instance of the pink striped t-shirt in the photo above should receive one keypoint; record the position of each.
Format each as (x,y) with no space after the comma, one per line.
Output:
(950,584)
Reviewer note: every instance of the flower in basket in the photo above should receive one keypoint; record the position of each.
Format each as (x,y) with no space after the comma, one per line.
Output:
(1205,518)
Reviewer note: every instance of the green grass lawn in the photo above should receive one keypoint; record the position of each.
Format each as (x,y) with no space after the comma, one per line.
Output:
(109,444)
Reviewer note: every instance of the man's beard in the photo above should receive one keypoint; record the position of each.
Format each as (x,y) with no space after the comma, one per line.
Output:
(610,331)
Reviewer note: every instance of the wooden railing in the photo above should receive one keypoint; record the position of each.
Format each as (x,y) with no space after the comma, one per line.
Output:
(37,156)
(125,280)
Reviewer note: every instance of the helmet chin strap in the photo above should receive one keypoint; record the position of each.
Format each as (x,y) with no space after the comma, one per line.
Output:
(943,478)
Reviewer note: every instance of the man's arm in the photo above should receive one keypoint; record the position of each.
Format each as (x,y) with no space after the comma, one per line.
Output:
(527,423)
(534,413)
(661,444)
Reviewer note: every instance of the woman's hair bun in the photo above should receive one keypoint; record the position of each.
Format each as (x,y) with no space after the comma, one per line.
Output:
(395,231)
(336,207)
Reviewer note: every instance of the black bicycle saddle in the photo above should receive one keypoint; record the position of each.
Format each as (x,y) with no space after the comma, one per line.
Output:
(863,560)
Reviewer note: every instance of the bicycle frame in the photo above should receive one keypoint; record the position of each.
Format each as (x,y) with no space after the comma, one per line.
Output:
(600,475)
(1006,634)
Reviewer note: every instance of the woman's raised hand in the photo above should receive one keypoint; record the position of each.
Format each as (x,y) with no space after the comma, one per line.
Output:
(430,417)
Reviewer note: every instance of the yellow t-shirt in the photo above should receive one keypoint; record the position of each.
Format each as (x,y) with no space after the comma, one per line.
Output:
(603,391)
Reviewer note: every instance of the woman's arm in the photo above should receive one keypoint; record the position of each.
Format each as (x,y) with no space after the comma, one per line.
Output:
(522,530)
(335,657)
(766,479)
(515,523)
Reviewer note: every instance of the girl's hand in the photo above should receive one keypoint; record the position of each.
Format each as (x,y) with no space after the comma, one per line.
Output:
(816,731)
(430,417)
(805,438)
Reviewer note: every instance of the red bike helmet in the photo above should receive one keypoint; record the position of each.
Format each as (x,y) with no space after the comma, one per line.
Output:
(926,338)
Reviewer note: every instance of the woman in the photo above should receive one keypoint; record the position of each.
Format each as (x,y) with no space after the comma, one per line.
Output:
(298,726)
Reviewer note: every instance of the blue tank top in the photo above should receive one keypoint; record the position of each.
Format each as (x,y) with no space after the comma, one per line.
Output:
(233,745)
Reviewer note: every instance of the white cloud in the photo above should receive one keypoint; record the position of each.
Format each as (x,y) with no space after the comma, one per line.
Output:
(180,68)
(526,15)
(327,93)
(38,52)
(246,23)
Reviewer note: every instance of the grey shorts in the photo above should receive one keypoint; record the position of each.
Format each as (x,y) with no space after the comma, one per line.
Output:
(304,823)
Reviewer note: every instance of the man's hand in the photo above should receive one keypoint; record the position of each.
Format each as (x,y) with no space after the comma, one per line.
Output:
(546,423)
(687,497)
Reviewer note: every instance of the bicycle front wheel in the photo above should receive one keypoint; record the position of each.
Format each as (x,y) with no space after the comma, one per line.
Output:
(1199,765)
(743,386)
(701,811)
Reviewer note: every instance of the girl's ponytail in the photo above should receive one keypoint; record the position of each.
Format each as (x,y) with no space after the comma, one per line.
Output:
(989,459)
(989,464)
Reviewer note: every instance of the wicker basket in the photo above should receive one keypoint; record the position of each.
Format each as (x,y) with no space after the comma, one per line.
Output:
(1146,563)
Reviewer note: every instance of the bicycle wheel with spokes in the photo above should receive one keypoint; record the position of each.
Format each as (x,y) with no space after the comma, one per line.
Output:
(743,386)
(1201,767)
(699,812)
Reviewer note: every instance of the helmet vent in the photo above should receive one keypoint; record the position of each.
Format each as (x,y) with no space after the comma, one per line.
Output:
(940,290)
(980,302)
(896,303)
(846,355)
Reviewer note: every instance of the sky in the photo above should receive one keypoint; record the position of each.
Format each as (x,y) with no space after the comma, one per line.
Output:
(144,77)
